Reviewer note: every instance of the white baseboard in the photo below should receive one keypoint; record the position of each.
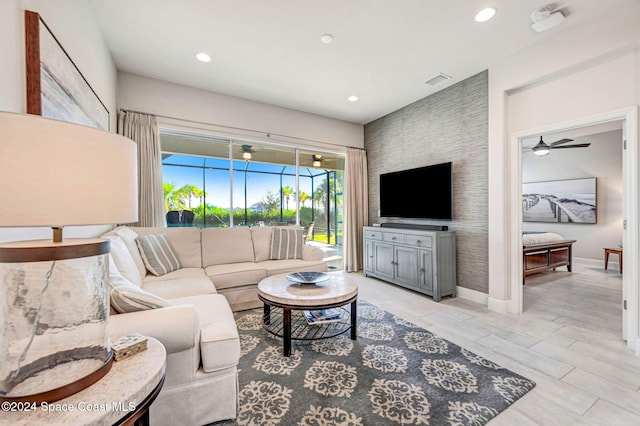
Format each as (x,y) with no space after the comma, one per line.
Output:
(472,295)
(500,306)
(596,263)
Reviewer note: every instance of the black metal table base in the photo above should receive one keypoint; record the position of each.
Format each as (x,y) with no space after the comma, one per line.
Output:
(290,323)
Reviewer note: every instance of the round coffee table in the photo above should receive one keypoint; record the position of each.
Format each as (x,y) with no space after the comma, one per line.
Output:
(278,291)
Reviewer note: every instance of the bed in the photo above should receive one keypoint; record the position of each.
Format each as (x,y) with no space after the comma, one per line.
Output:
(544,251)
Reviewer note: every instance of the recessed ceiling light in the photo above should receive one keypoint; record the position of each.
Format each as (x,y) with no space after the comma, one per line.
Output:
(352,98)
(485,14)
(203,57)
(326,38)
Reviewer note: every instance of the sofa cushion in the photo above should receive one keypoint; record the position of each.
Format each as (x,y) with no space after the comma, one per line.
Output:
(286,243)
(274,267)
(226,245)
(126,297)
(219,341)
(181,287)
(123,260)
(158,254)
(185,242)
(261,238)
(236,274)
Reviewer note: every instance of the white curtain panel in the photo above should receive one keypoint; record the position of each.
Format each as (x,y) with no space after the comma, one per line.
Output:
(356,207)
(143,129)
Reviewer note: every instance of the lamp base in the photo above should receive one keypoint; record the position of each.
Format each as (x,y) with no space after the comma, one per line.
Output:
(54,300)
(66,390)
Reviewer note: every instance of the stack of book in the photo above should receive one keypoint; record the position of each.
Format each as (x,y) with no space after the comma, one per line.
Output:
(322,316)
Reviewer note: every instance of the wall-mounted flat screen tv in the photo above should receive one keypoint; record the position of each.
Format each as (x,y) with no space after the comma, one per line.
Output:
(425,193)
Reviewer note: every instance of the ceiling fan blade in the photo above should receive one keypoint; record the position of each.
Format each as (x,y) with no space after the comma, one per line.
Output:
(580,145)
(561,141)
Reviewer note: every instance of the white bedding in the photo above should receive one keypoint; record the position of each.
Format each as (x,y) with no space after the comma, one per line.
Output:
(542,238)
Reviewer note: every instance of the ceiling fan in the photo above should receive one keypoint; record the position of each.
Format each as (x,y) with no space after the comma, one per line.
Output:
(543,148)
(247,152)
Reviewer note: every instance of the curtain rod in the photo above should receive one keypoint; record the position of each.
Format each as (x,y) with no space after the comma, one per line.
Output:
(268,134)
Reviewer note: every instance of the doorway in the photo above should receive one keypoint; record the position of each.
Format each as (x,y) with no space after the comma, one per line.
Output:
(572,204)
(629,122)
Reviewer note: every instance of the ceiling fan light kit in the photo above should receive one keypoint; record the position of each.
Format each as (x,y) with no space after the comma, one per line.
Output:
(317,160)
(541,148)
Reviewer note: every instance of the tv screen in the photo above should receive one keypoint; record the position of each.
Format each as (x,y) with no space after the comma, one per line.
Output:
(423,193)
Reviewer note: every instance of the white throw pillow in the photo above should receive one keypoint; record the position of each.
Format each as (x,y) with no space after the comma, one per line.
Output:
(158,254)
(123,260)
(286,243)
(126,297)
(129,236)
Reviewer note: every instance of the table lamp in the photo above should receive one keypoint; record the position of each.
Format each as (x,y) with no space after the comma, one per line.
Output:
(54,297)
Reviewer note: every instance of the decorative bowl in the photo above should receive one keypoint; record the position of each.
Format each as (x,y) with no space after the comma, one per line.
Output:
(308,277)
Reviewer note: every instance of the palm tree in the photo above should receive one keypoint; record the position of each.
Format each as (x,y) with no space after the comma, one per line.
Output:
(302,197)
(191,191)
(286,193)
(172,198)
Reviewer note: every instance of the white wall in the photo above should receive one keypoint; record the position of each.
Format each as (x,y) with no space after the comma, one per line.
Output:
(74,25)
(589,70)
(603,160)
(228,115)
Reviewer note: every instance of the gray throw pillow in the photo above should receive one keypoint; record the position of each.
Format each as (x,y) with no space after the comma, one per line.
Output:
(286,243)
(158,254)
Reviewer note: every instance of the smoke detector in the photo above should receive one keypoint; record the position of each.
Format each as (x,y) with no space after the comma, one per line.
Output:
(545,18)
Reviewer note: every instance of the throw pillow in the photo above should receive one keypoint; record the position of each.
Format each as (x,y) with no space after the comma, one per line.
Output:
(123,260)
(126,297)
(158,254)
(286,243)
(129,236)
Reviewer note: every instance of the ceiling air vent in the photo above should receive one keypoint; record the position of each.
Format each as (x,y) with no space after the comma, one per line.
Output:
(437,79)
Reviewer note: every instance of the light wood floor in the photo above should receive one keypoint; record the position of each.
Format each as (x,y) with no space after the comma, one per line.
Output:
(568,341)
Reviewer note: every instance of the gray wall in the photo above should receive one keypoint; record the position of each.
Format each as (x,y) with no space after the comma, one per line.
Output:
(450,125)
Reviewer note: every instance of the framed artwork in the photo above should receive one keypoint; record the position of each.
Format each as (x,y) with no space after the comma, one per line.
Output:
(55,86)
(564,201)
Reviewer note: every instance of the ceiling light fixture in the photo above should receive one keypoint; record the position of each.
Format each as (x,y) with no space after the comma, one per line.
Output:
(203,57)
(247,152)
(317,160)
(352,98)
(541,148)
(326,38)
(485,14)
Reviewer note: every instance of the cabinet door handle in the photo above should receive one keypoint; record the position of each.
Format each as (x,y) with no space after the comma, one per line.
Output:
(393,238)
(422,270)
(419,242)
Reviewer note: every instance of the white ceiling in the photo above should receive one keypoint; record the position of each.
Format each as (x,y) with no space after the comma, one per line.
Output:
(270,50)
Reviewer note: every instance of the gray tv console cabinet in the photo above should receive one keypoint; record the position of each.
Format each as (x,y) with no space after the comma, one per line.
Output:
(420,260)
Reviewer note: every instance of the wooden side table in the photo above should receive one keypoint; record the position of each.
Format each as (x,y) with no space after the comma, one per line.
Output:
(608,251)
(121,397)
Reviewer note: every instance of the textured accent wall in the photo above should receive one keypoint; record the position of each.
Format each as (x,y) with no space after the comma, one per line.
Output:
(450,125)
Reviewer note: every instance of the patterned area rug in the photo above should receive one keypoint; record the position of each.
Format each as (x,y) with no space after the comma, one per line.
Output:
(395,373)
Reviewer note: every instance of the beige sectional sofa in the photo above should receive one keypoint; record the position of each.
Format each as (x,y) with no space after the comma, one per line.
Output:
(220,270)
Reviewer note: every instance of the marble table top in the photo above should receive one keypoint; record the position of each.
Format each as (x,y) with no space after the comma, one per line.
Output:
(278,289)
(105,402)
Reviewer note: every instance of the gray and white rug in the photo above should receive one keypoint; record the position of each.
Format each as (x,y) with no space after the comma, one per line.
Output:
(394,373)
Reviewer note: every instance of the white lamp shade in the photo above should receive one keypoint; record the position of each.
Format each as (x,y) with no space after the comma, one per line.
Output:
(55,173)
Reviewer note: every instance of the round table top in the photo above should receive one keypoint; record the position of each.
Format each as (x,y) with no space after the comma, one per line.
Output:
(278,289)
(111,398)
